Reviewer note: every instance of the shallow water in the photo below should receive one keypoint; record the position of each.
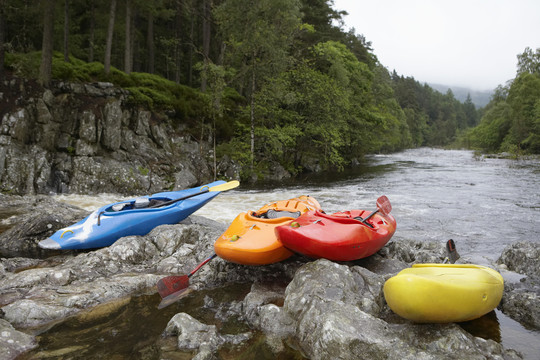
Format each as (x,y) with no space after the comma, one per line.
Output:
(133,330)
(483,204)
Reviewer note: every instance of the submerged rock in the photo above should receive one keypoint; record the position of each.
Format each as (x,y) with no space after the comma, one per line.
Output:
(13,342)
(194,335)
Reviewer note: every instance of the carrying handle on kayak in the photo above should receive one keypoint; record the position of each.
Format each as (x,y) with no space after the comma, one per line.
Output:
(223,187)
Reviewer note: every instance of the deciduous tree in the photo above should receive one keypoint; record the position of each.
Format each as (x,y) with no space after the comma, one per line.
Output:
(259,34)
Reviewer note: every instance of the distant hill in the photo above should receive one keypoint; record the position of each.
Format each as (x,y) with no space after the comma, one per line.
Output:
(479,98)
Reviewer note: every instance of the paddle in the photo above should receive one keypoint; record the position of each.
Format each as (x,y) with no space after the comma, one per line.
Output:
(171,288)
(383,206)
(452,252)
(223,187)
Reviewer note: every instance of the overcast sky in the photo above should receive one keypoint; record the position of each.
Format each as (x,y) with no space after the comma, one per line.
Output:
(470,43)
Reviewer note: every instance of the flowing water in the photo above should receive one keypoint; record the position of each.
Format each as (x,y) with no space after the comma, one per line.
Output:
(484,204)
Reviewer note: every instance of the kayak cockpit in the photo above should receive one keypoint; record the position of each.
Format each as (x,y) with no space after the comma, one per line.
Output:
(137,204)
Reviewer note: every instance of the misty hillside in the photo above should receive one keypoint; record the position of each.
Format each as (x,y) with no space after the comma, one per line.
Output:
(479,98)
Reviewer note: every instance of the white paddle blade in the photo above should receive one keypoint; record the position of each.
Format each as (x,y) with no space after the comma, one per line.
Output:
(384,206)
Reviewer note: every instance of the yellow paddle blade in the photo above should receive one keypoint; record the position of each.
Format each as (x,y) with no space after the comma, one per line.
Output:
(227,186)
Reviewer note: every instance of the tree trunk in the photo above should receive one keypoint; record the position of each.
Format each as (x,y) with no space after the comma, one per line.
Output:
(92,31)
(178,49)
(150,43)
(66,30)
(45,69)
(191,35)
(1,40)
(127,50)
(206,42)
(252,116)
(110,31)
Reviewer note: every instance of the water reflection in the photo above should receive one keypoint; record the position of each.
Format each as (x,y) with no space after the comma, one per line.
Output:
(486,327)
(131,328)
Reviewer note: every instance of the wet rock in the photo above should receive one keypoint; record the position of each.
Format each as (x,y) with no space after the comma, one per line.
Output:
(324,309)
(410,251)
(131,266)
(18,263)
(262,309)
(13,342)
(521,300)
(522,257)
(194,335)
(34,221)
(522,306)
(333,321)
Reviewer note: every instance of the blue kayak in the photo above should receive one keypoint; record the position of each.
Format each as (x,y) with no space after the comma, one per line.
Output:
(133,217)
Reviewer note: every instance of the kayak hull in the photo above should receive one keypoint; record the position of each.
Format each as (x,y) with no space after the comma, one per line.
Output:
(444,293)
(104,226)
(251,240)
(337,237)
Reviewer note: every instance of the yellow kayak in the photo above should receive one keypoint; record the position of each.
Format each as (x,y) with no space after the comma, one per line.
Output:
(443,293)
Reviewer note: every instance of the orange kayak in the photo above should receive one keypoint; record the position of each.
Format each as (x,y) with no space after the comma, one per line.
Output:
(251,240)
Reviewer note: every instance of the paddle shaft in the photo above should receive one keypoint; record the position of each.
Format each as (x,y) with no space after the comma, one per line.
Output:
(383,206)
(201,264)
(179,199)
(369,217)
(223,187)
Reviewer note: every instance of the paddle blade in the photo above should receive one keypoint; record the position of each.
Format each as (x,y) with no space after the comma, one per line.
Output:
(172,284)
(174,297)
(452,252)
(227,186)
(383,205)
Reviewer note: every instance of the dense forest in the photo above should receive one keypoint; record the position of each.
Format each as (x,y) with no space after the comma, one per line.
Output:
(511,121)
(267,81)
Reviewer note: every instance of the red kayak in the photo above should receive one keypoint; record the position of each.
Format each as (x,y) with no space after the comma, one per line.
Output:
(342,236)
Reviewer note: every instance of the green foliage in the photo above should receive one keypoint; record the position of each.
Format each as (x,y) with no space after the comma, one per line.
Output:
(511,122)
(24,65)
(316,95)
(529,61)
(433,119)
(147,90)
(492,130)
(143,171)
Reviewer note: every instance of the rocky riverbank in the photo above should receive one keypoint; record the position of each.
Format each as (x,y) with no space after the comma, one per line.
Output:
(88,138)
(319,309)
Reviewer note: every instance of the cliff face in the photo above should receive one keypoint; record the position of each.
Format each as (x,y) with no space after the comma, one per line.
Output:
(85,138)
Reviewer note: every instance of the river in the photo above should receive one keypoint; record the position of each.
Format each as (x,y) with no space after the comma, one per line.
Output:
(484,204)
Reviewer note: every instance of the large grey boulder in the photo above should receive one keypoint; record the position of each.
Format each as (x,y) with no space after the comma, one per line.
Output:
(33,220)
(521,300)
(87,138)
